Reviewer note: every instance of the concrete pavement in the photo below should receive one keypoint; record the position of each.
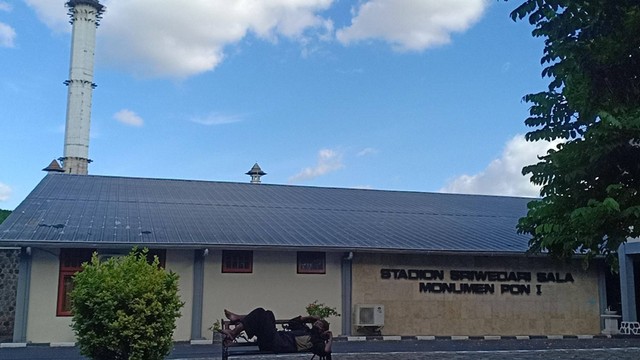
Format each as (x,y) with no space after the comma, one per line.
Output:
(618,348)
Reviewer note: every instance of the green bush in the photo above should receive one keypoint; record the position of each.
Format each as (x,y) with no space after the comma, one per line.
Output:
(125,308)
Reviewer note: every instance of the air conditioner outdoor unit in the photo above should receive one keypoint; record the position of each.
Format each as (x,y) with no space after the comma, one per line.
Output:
(369,315)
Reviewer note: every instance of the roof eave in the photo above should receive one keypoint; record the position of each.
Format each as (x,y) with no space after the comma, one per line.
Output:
(195,246)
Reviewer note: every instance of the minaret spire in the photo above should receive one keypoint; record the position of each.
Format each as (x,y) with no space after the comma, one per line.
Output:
(85,18)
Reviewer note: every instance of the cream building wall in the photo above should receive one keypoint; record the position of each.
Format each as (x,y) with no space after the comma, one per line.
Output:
(274,285)
(43,326)
(561,308)
(181,263)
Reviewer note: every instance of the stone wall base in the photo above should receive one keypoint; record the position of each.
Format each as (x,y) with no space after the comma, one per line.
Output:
(9,262)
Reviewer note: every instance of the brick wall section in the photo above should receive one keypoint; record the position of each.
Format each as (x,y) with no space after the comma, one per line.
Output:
(9,260)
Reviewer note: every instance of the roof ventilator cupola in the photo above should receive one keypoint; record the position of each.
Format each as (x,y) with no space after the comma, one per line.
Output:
(255,174)
(53,167)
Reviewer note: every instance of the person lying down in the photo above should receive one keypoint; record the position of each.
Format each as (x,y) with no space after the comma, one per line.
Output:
(261,323)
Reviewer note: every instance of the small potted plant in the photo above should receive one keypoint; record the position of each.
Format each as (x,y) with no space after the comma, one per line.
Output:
(321,310)
(610,311)
(216,327)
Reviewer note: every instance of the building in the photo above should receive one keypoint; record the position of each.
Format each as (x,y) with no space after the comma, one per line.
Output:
(394,262)
(391,262)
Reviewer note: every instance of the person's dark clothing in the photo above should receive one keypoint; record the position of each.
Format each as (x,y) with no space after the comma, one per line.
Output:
(261,323)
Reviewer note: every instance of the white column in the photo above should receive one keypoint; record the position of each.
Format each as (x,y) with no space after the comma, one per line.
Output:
(84,18)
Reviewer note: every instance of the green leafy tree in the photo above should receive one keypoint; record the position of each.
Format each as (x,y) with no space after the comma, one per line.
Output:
(589,199)
(4,214)
(125,308)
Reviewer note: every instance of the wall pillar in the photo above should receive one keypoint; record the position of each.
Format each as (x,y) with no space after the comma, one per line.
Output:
(9,263)
(346,293)
(198,293)
(22,296)
(627,282)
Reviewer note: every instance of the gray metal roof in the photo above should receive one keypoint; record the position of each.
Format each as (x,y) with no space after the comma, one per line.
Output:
(87,210)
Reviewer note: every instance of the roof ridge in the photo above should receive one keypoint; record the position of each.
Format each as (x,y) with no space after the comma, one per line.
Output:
(266,185)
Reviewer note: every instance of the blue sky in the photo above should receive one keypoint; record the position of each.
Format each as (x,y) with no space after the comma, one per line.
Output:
(418,95)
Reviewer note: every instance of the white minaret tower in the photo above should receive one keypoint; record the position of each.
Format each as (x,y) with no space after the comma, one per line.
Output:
(85,18)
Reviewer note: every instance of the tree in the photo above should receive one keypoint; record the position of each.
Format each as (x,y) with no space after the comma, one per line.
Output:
(589,197)
(125,308)
(4,214)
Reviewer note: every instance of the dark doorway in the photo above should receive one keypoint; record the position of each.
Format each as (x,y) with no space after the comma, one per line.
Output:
(613,290)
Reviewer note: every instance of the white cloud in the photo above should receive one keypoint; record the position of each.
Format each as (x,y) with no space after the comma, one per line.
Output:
(413,25)
(7,35)
(128,117)
(503,176)
(5,192)
(328,162)
(367,151)
(52,13)
(217,119)
(180,39)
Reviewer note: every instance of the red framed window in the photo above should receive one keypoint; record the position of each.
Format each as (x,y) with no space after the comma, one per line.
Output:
(311,262)
(237,261)
(70,263)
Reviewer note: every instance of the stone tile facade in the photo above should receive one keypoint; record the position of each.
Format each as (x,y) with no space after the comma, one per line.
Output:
(9,260)
(445,295)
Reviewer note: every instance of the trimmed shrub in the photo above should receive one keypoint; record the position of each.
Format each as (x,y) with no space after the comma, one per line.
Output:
(125,308)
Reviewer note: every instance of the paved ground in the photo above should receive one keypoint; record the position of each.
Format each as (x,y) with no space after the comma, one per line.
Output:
(610,354)
(626,348)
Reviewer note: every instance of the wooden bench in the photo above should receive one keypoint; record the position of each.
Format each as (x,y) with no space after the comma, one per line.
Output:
(245,346)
